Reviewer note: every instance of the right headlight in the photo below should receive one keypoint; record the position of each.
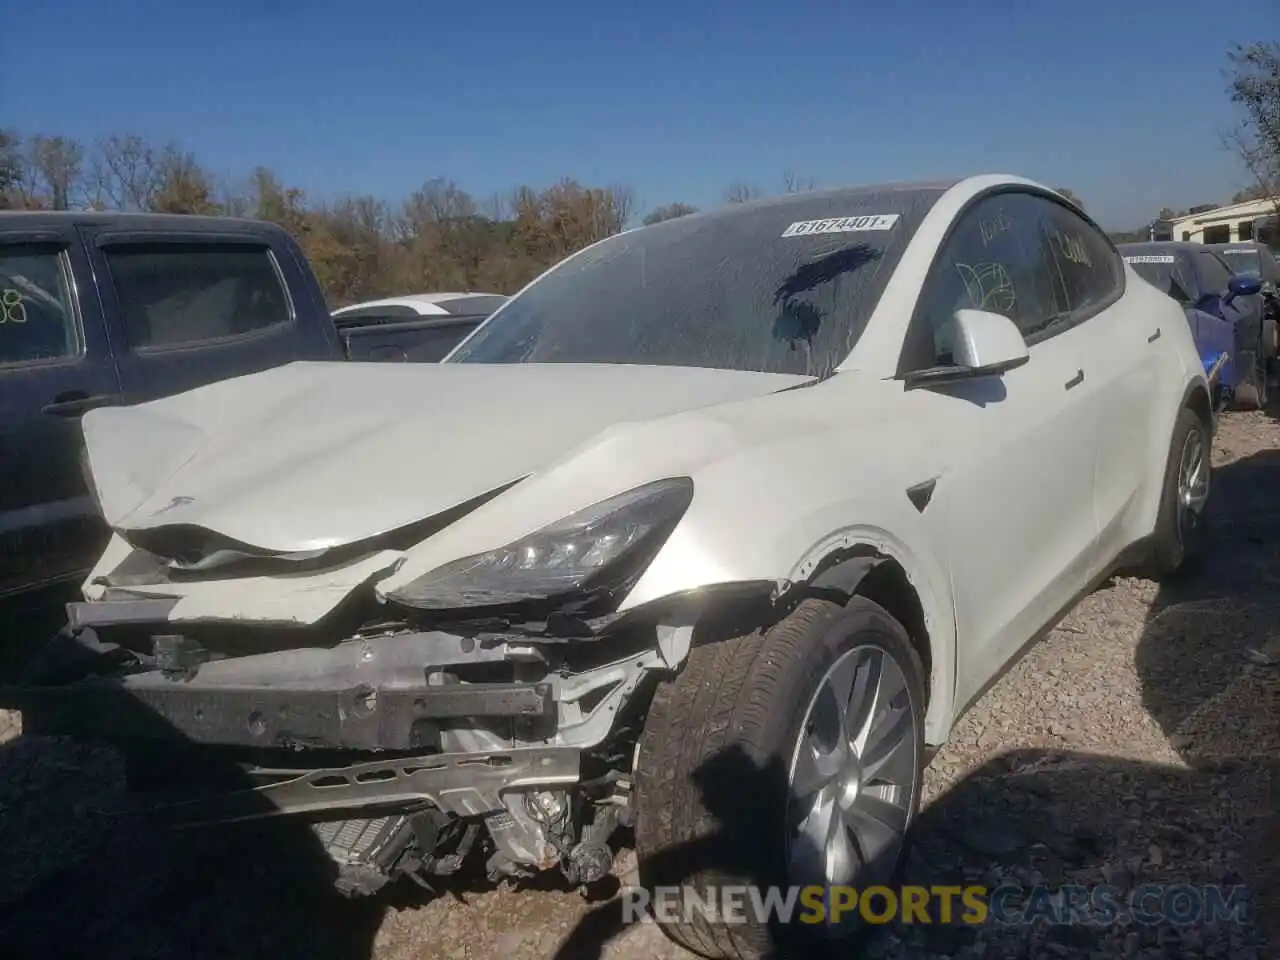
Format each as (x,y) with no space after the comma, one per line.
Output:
(601,545)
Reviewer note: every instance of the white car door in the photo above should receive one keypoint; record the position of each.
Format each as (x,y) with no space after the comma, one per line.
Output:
(1013,502)
(1125,344)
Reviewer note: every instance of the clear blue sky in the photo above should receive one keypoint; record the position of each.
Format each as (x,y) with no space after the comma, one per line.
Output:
(1120,101)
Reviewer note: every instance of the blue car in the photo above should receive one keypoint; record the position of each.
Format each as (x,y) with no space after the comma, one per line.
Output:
(1225,311)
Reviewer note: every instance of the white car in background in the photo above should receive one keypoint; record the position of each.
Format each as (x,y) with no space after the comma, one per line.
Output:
(715,528)
(420,327)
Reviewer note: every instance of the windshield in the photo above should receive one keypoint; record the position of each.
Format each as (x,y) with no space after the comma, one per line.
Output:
(1243,260)
(783,286)
(1164,271)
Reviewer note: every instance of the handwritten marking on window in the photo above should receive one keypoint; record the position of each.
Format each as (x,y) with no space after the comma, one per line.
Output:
(992,227)
(13,308)
(989,286)
(1073,248)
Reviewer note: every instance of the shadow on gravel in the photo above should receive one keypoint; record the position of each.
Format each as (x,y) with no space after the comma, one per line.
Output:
(1209,662)
(81,877)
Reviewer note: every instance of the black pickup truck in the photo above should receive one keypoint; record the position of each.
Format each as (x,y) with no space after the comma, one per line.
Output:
(110,308)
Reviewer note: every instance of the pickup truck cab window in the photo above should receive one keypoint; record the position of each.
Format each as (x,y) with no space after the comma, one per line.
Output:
(173,294)
(37,315)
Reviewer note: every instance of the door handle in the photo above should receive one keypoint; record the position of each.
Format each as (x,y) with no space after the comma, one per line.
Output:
(1154,337)
(1076,380)
(75,402)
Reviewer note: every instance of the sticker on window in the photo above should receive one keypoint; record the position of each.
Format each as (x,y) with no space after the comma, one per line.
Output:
(807,228)
(1162,258)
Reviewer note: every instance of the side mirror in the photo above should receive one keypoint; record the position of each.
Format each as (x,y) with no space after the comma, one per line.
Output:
(1242,285)
(983,344)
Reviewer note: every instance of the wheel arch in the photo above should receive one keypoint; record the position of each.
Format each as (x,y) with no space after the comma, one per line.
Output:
(866,570)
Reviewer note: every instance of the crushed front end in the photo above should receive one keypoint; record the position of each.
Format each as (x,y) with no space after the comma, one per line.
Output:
(413,729)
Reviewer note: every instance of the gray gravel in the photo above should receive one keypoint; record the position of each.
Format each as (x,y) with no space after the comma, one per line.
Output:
(1137,744)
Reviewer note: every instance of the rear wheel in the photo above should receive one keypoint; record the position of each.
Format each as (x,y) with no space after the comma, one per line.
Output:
(1182,523)
(784,758)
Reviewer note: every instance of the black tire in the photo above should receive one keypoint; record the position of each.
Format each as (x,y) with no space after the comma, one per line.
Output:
(713,765)
(1173,548)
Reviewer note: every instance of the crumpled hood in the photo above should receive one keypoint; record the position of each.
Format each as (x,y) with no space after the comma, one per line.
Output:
(313,455)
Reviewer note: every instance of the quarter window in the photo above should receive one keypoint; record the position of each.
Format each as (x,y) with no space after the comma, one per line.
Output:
(172,294)
(37,314)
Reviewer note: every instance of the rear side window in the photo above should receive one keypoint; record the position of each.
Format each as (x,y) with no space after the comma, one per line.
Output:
(1214,274)
(174,294)
(37,315)
(1087,271)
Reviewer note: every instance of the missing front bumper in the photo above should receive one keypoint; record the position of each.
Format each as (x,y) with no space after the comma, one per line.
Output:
(352,718)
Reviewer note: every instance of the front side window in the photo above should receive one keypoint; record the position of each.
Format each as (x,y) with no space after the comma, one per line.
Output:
(37,314)
(995,259)
(784,286)
(172,294)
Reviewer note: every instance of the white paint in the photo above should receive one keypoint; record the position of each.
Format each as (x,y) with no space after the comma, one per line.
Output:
(426,304)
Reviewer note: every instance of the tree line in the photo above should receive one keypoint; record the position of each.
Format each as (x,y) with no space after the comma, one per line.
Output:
(361,247)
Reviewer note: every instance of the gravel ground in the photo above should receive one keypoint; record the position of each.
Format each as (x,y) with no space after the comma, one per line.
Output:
(1139,743)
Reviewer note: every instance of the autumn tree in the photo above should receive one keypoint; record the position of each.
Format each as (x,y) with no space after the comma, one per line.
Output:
(182,185)
(668,212)
(439,238)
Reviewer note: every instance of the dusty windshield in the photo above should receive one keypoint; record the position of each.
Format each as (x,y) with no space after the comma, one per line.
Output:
(785,286)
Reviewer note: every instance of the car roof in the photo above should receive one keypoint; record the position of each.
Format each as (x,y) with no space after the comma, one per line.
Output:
(432,304)
(52,219)
(1162,246)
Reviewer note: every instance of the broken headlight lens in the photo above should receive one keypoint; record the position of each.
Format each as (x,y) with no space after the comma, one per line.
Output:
(572,554)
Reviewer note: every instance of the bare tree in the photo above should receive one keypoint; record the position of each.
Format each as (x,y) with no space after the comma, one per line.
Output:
(668,212)
(739,192)
(56,165)
(125,172)
(793,183)
(1254,86)
(11,170)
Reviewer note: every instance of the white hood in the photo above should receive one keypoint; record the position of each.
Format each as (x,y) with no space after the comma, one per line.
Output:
(314,455)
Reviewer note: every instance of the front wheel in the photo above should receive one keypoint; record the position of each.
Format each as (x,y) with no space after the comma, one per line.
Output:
(788,759)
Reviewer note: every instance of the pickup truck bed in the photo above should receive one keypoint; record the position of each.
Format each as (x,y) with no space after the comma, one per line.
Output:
(422,328)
